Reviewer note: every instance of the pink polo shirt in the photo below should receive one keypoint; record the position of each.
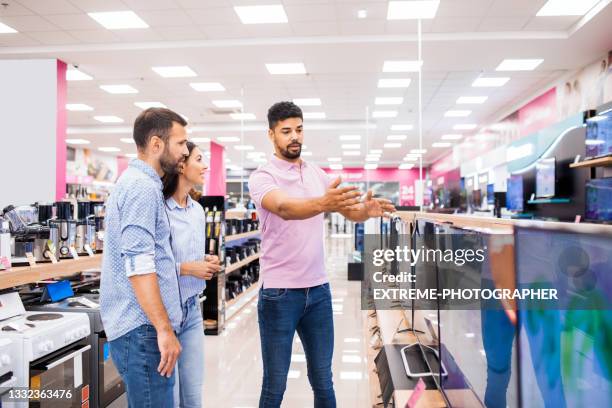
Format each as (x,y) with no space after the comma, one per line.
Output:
(292,251)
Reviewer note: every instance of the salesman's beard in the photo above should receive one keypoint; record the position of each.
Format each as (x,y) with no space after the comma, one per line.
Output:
(292,152)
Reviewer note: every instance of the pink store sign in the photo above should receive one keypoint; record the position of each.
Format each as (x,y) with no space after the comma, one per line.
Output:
(406,179)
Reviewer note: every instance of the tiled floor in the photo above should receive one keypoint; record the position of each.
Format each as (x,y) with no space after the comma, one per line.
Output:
(233,360)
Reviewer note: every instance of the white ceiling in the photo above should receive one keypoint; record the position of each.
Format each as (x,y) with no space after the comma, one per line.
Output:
(343,55)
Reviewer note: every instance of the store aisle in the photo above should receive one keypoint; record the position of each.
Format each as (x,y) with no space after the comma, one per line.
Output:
(233,360)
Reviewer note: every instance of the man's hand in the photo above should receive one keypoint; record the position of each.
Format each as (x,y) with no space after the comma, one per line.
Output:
(205,269)
(337,199)
(377,207)
(169,348)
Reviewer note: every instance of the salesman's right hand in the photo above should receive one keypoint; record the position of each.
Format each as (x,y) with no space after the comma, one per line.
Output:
(337,199)
(169,348)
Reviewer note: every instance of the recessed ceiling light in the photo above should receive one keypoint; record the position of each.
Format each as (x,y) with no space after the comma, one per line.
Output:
(351,153)
(350,146)
(207,86)
(376,151)
(147,105)
(307,101)
(406,166)
(412,158)
(268,14)
(262,159)
(418,151)
(348,138)
(286,69)
(108,119)
(457,113)
(384,114)
(76,107)
(402,66)
(178,71)
(127,140)
(394,83)
(109,149)
(255,154)
(4,29)
(441,144)
(228,139)
(334,159)
(484,82)
(77,141)
(119,89)
(244,147)
(401,127)
(306,153)
(335,166)
(519,64)
(200,139)
(398,100)
(118,20)
(471,100)
(566,7)
(397,137)
(361,14)
(372,158)
(314,115)
(227,103)
(371,166)
(131,155)
(243,116)
(392,145)
(465,126)
(73,74)
(452,136)
(411,10)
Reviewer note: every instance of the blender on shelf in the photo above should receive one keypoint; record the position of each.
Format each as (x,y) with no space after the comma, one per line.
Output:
(66,226)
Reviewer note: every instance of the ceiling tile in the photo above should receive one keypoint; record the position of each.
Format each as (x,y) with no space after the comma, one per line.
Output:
(503,23)
(551,23)
(166,18)
(17,40)
(311,12)
(93,6)
(315,28)
(138,5)
(50,6)
(223,15)
(215,32)
(15,9)
(198,4)
(455,24)
(94,36)
(515,8)
(73,21)
(360,27)
(53,37)
(138,35)
(180,33)
(28,23)
(463,8)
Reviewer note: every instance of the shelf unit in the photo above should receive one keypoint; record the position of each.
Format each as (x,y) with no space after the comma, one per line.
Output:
(236,237)
(237,265)
(550,201)
(601,162)
(29,274)
(233,306)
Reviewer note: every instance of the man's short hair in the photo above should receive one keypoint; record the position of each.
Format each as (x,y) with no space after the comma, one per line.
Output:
(281,111)
(155,122)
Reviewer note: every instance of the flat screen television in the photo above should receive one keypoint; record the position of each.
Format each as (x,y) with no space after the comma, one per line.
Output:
(545,178)
(598,139)
(477,198)
(514,194)
(490,194)
(564,349)
(599,199)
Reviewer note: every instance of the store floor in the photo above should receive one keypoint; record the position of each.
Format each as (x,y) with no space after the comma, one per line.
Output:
(233,360)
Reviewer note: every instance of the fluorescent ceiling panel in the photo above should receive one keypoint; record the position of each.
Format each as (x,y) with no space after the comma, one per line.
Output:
(392,145)
(384,114)
(147,105)
(348,138)
(397,137)
(394,82)
(108,119)
(402,66)
(177,71)
(371,166)
(395,100)
(243,116)
(78,141)
(76,75)
(200,139)
(350,146)
(207,86)
(127,140)
(286,69)
(519,64)
(465,126)
(227,103)
(352,153)
(401,127)
(334,159)
(228,139)
(4,29)
(109,149)
(314,115)
(264,14)
(119,89)
(335,166)
(452,136)
(441,144)
(118,20)
(406,166)
(412,10)
(307,101)
(471,100)
(457,113)
(77,107)
(486,82)
(244,147)
(555,8)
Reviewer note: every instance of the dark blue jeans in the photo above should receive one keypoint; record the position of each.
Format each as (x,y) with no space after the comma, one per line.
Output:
(281,313)
(136,356)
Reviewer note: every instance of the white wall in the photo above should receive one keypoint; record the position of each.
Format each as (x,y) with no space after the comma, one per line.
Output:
(28,112)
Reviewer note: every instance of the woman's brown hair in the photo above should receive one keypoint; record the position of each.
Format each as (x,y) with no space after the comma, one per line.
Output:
(170,181)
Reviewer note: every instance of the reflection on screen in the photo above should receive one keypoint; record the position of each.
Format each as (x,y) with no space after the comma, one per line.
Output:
(599,199)
(545,177)
(566,354)
(514,194)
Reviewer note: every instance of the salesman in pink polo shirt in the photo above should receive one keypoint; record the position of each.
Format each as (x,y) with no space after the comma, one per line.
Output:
(292,196)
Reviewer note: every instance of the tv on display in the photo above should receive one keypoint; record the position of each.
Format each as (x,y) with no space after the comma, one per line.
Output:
(545,178)
(514,193)
(599,199)
(598,139)
(490,194)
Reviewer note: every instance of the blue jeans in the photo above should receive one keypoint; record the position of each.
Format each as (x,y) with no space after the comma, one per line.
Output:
(136,356)
(281,313)
(190,373)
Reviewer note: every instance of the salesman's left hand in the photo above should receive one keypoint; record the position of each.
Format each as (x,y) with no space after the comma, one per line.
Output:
(377,207)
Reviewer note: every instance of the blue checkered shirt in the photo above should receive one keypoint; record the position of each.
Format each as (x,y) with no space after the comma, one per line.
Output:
(136,242)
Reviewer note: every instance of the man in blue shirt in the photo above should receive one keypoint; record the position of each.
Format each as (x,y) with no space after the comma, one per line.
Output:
(140,296)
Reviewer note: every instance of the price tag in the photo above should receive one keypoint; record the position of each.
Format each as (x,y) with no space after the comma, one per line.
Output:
(30,258)
(416,395)
(4,261)
(74,253)
(88,250)
(578,219)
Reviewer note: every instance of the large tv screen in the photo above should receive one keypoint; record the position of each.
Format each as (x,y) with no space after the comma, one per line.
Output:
(545,178)
(599,199)
(599,135)
(514,194)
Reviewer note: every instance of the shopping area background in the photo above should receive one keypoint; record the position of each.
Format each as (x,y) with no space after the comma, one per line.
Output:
(516,123)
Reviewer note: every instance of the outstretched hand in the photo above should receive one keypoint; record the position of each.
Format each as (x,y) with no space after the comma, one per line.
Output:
(377,207)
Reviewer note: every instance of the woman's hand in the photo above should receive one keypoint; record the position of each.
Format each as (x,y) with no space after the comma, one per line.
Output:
(201,269)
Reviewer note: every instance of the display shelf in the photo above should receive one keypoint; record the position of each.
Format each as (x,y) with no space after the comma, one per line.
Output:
(601,162)
(29,274)
(235,237)
(233,306)
(550,201)
(237,265)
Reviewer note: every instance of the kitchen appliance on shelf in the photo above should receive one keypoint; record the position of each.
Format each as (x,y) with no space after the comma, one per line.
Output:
(66,226)
(45,215)
(52,353)
(105,379)
(99,211)
(5,244)
(85,229)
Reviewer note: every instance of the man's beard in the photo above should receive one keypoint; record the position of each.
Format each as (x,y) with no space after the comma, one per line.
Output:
(168,164)
(288,155)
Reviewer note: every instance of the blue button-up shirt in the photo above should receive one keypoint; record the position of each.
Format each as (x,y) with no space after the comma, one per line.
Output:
(136,242)
(188,229)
